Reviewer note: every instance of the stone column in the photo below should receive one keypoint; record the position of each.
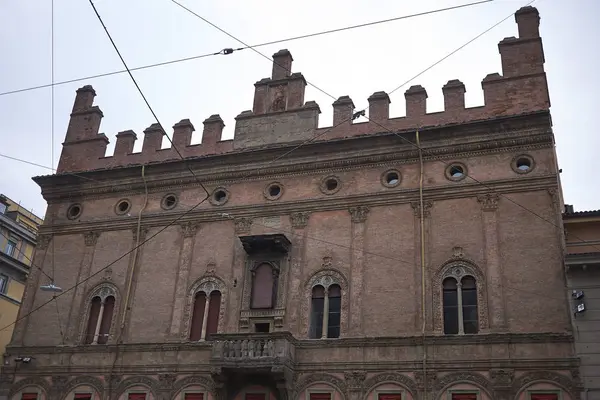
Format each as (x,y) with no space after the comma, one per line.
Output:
(299,221)
(75,310)
(358,216)
(188,232)
(416,206)
(33,283)
(494,274)
(205,317)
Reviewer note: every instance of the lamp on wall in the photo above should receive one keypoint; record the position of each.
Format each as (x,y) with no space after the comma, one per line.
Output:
(51,287)
(578,296)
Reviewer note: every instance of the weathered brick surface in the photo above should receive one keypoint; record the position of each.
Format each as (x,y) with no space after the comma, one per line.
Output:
(367,233)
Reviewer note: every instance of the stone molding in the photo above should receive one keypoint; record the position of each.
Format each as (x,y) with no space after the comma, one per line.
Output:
(36,381)
(466,190)
(457,267)
(308,380)
(391,377)
(207,284)
(103,290)
(570,385)
(91,238)
(489,201)
(359,214)
(299,220)
(325,277)
(453,378)
(242,225)
(523,138)
(146,381)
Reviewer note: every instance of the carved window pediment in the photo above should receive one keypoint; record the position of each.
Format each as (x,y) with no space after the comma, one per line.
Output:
(265,244)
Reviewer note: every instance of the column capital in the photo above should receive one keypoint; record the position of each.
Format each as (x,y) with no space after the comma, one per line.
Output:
(359,214)
(488,201)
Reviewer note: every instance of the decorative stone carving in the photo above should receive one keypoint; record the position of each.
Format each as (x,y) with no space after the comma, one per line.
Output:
(355,380)
(488,201)
(242,225)
(103,290)
(166,381)
(91,238)
(299,220)
(423,380)
(310,379)
(458,252)
(59,383)
(207,284)
(188,229)
(426,208)
(326,278)
(327,262)
(38,382)
(553,192)
(557,379)
(359,214)
(399,379)
(445,382)
(502,377)
(150,383)
(86,380)
(43,240)
(458,268)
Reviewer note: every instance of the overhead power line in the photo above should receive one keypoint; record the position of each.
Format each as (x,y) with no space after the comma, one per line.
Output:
(198,204)
(227,51)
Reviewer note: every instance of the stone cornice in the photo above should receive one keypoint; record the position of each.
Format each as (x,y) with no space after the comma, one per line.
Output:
(392,197)
(390,151)
(457,340)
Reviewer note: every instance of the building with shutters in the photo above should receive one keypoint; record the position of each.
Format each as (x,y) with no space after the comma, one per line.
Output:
(18,231)
(582,231)
(338,263)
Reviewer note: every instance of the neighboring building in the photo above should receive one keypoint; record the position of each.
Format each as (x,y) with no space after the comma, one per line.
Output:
(582,231)
(18,229)
(302,278)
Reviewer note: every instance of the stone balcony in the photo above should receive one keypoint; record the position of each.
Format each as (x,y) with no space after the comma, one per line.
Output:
(253,353)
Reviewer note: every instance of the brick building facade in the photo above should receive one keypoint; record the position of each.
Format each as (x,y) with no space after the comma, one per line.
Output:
(326,274)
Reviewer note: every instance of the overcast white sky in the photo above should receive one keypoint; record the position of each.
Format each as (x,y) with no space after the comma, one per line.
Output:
(355,63)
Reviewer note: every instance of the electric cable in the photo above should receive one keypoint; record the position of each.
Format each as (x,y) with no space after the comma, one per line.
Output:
(164,132)
(227,51)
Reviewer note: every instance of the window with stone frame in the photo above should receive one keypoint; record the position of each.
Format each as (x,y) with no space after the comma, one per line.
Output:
(267,265)
(100,315)
(544,395)
(460,306)
(327,300)
(463,395)
(29,396)
(459,298)
(204,311)
(82,396)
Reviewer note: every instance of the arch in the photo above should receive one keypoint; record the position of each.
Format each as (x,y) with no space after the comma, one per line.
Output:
(565,383)
(102,290)
(149,383)
(86,380)
(39,383)
(454,378)
(407,383)
(207,284)
(458,268)
(181,384)
(325,277)
(331,380)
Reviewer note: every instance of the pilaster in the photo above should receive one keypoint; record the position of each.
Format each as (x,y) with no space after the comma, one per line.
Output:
(418,278)
(299,222)
(358,215)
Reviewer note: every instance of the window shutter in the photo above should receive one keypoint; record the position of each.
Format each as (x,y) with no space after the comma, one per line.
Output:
(137,396)
(83,396)
(193,396)
(214,307)
(544,396)
(390,396)
(107,314)
(320,396)
(255,396)
(29,396)
(198,316)
(262,287)
(464,396)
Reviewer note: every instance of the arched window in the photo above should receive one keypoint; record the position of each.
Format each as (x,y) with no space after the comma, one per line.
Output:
(325,314)
(460,306)
(264,286)
(205,317)
(100,318)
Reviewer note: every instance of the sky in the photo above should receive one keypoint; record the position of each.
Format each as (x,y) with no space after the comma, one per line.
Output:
(355,62)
